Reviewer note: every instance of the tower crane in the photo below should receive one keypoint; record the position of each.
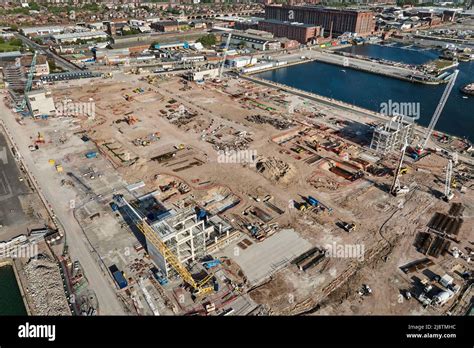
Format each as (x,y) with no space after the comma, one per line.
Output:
(448,193)
(396,188)
(225,55)
(438,111)
(200,287)
(29,83)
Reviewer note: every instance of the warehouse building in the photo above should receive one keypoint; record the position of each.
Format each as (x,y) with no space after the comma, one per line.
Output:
(252,41)
(79,36)
(333,20)
(51,30)
(303,33)
(165,26)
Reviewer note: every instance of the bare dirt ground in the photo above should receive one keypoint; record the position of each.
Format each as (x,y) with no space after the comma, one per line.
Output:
(184,134)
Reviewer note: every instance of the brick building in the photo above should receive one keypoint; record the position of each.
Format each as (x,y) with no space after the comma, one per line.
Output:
(303,33)
(165,26)
(338,20)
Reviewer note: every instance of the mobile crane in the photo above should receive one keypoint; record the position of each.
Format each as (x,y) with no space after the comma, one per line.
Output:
(439,109)
(221,70)
(396,188)
(448,193)
(201,287)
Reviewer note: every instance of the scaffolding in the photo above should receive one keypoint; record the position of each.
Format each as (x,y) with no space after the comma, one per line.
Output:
(392,135)
(184,234)
(166,239)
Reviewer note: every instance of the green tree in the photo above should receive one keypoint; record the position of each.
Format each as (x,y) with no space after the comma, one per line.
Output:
(208,40)
(34,6)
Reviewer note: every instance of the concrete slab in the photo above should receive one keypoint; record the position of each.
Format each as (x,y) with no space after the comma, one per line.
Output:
(261,260)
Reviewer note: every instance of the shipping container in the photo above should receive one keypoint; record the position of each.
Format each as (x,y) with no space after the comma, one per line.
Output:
(120,279)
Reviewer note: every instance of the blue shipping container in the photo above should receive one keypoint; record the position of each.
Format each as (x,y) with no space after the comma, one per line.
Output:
(120,279)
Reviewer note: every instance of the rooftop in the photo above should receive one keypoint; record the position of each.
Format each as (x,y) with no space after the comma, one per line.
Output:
(79,35)
(296,24)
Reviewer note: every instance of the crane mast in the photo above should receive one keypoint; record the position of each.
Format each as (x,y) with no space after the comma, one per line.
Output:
(225,55)
(200,287)
(439,109)
(29,83)
(448,193)
(396,188)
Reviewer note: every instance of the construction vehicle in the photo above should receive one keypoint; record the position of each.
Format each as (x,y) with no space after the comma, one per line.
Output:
(201,287)
(439,109)
(348,227)
(302,206)
(312,201)
(448,193)
(39,139)
(212,263)
(316,203)
(365,291)
(397,189)
(179,147)
(403,170)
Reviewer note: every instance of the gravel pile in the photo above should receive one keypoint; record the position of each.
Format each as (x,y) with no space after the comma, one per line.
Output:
(45,287)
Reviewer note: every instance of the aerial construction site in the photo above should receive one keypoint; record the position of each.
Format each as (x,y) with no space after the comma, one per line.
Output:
(235,197)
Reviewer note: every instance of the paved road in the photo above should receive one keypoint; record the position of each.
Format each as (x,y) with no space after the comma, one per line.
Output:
(60,61)
(79,249)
